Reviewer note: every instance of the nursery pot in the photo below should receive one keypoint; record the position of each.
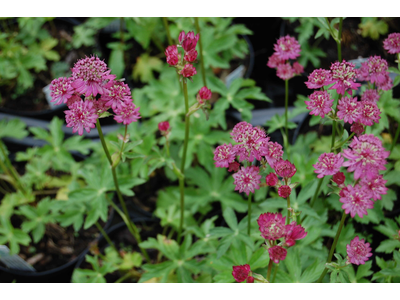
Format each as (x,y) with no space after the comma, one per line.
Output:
(59,274)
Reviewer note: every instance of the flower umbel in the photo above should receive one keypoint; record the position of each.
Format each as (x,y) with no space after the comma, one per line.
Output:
(358,251)
(247,179)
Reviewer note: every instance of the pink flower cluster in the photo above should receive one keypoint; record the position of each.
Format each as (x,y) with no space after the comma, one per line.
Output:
(286,48)
(242,273)
(183,63)
(375,70)
(90,91)
(286,170)
(252,143)
(272,227)
(392,43)
(358,252)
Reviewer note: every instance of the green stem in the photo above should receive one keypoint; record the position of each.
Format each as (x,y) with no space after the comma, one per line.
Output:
(249,213)
(105,235)
(286,117)
(165,21)
(269,269)
(128,221)
(333,247)
(123,278)
(316,192)
(288,212)
(185,145)
(346,140)
(203,72)
(396,136)
(275,270)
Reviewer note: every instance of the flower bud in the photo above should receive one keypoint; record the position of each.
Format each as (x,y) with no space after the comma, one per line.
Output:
(271,179)
(284,191)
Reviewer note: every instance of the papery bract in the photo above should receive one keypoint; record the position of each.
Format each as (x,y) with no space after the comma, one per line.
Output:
(271,179)
(348,110)
(328,164)
(61,90)
(356,201)
(392,43)
(285,169)
(287,47)
(375,186)
(224,155)
(285,71)
(277,253)
(247,179)
(127,113)
(188,71)
(344,76)
(272,226)
(320,103)
(274,153)
(319,78)
(358,251)
(294,232)
(241,273)
(81,116)
(284,191)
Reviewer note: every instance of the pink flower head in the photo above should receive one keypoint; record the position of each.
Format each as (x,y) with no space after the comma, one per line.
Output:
(61,90)
(320,103)
(100,106)
(181,36)
(370,96)
(386,84)
(81,116)
(294,233)
(357,128)
(233,166)
(247,179)
(204,95)
(355,200)
(284,191)
(224,155)
(241,273)
(344,76)
(277,253)
(190,56)
(297,68)
(90,75)
(319,78)
(163,126)
(274,153)
(250,279)
(348,110)
(376,186)
(172,55)
(369,113)
(271,179)
(253,141)
(339,178)
(392,43)
(272,226)
(274,61)
(358,251)
(287,47)
(285,71)
(127,113)
(328,164)
(119,92)
(377,68)
(366,156)
(188,71)
(285,169)
(190,41)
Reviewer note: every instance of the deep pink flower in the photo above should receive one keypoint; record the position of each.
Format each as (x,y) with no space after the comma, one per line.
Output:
(271,179)
(250,279)
(358,251)
(274,61)
(119,92)
(241,273)
(181,36)
(369,113)
(319,78)
(284,191)
(357,128)
(253,141)
(172,55)
(233,166)
(224,155)
(204,95)
(298,68)
(294,233)
(190,56)
(277,253)
(287,47)
(285,169)
(285,71)
(339,178)
(356,201)
(392,43)
(272,226)
(163,126)
(370,96)
(127,113)
(348,110)
(274,153)
(61,90)
(375,186)
(190,41)
(247,179)
(188,71)
(366,156)
(344,76)
(328,164)
(90,75)
(320,103)
(81,116)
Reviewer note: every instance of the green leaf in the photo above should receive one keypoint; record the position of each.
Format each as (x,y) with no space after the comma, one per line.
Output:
(364,270)
(13,128)
(230,218)
(313,272)
(388,246)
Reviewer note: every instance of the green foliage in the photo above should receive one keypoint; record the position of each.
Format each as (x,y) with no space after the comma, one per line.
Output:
(372,27)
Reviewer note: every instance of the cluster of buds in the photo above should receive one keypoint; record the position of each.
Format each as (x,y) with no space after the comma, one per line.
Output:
(183,63)
(272,227)
(90,92)
(284,169)
(287,48)
(202,103)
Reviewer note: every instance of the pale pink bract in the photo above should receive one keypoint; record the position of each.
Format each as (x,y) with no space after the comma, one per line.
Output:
(320,103)
(375,186)
(272,226)
(392,43)
(81,116)
(277,253)
(369,113)
(224,155)
(355,200)
(328,164)
(127,113)
(287,47)
(285,71)
(274,153)
(358,251)
(61,90)
(247,179)
(344,76)
(285,169)
(294,233)
(348,110)
(319,78)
